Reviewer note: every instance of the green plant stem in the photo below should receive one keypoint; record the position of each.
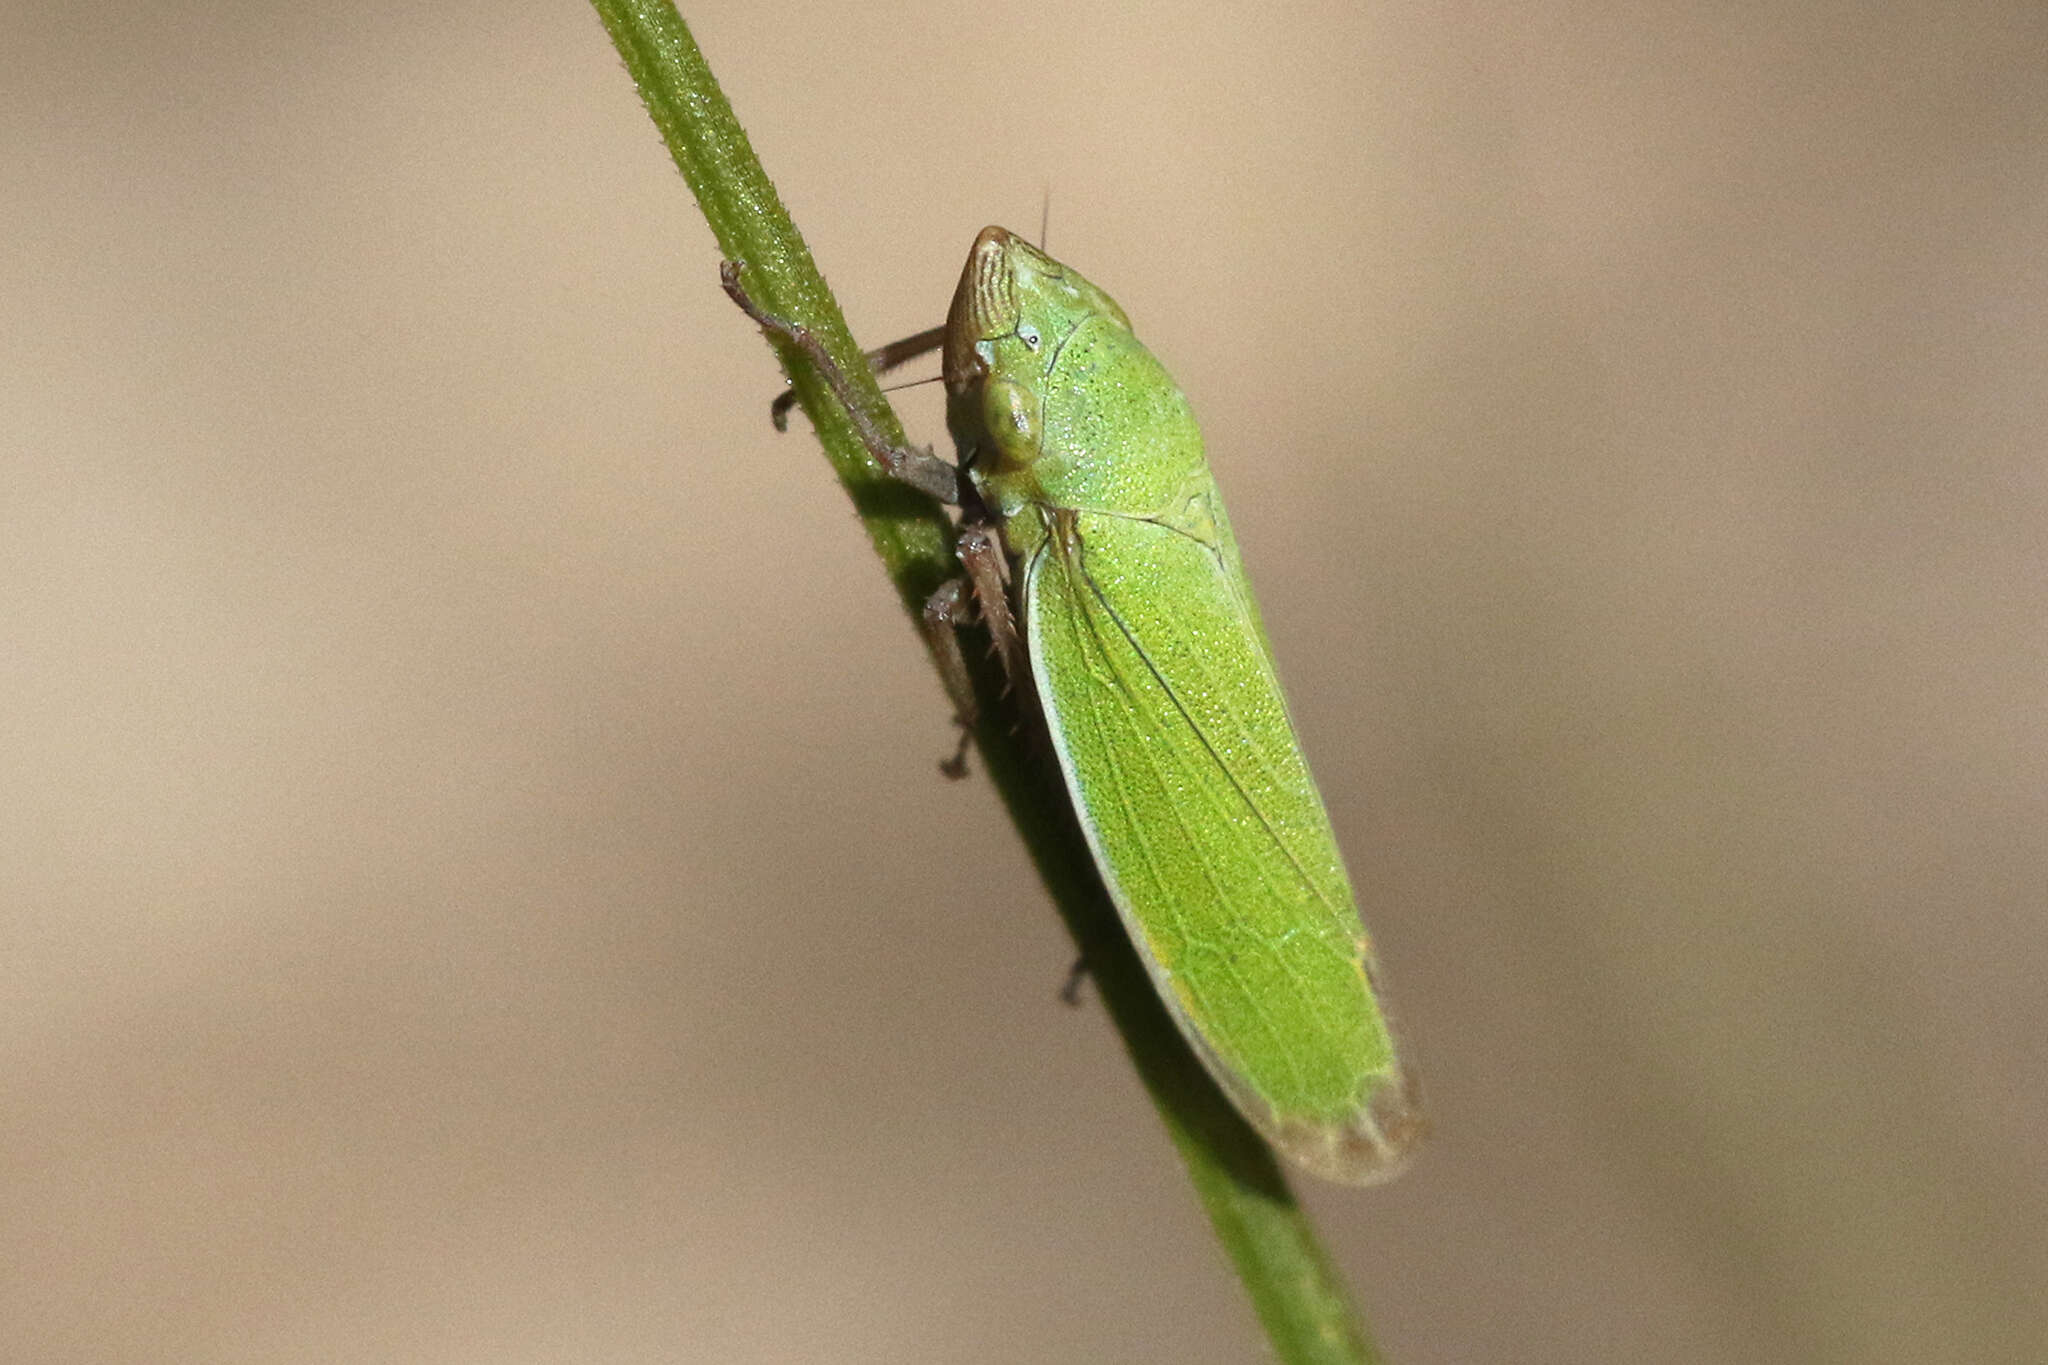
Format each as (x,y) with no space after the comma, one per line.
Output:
(1289,1276)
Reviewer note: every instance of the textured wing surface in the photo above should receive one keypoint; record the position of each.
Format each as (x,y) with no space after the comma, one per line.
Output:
(1179,754)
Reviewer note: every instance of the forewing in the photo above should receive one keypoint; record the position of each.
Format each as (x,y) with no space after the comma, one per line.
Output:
(1178,751)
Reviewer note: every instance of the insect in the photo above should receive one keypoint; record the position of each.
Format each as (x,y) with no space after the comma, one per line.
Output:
(1100,558)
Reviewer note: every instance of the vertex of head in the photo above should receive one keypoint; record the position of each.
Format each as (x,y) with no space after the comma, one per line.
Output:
(984,305)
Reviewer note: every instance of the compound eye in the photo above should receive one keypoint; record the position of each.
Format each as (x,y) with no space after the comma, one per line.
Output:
(1013,428)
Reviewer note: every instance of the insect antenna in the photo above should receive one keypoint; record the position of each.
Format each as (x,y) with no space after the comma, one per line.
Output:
(912,383)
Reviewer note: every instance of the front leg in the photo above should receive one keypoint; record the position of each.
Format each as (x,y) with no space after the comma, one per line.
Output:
(980,551)
(880,361)
(982,593)
(920,469)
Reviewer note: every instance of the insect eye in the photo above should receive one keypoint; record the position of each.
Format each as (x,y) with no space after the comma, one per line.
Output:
(1028,334)
(1011,413)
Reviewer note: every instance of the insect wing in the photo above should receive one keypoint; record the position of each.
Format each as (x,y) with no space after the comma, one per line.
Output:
(1177,749)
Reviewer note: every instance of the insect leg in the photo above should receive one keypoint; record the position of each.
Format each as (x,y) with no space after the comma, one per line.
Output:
(981,553)
(881,361)
(945,611)
(920,469)
(982,594)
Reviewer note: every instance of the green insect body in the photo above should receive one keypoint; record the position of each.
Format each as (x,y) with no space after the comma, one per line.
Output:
(1136,629)
(1157,682)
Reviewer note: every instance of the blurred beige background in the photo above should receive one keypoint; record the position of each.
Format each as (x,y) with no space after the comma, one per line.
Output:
(458,891)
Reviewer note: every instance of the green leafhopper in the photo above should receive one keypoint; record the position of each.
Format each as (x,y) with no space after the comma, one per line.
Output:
(1099,556)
